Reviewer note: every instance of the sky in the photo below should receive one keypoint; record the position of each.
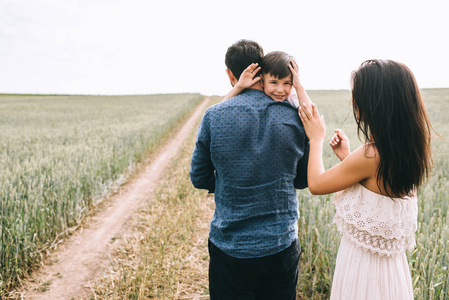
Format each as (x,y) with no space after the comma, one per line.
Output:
(122,47)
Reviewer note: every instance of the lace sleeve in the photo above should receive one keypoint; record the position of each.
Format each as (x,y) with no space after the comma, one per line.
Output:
(375,222)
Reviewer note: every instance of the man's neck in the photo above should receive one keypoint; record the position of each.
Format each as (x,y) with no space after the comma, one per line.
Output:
(256,86)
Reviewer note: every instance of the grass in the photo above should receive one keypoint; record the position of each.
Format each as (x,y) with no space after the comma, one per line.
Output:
(170,230)
(429,262)
(166,256)
(61,156)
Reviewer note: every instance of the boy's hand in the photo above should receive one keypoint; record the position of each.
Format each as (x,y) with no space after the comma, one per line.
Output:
(295,72)
(340,144)
(248,79)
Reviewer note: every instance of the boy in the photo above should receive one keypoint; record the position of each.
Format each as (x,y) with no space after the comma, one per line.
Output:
(279,74)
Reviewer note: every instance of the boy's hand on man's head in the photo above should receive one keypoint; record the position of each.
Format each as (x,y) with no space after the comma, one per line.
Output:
(248,77)
(302,94)
(295,73)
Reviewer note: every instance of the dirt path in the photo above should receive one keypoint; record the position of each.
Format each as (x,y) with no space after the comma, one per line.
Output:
(81,257)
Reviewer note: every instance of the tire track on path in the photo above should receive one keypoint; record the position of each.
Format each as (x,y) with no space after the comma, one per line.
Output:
(86,250)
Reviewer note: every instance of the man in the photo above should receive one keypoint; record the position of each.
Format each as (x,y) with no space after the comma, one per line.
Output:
(251,151)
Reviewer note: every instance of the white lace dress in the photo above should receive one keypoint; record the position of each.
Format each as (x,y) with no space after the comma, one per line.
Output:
(376,231)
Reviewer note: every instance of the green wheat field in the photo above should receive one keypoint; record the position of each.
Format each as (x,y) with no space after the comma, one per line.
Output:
(63,155)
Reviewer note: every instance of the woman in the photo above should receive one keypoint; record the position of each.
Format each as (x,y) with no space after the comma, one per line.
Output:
(376,212)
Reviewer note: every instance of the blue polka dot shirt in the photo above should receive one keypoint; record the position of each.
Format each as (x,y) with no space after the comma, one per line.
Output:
(252,152)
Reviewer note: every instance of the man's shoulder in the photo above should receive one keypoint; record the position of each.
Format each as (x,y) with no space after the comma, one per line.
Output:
(253,99)
(247,97)
(285,108)
(252,93)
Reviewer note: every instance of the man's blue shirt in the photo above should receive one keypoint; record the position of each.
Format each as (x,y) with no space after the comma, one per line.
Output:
(252,152)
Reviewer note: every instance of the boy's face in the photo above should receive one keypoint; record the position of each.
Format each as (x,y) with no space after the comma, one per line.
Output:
(277,89)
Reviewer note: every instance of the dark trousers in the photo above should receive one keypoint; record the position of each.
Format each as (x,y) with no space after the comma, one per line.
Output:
(272,277)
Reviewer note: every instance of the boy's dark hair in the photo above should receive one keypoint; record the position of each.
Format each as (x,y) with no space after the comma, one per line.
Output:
(241,54)
(276,64)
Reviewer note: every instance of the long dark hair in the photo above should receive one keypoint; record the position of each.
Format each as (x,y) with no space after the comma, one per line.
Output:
(389,112)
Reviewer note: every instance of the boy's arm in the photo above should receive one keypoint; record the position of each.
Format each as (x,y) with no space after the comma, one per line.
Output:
(293,98)
(234,92)
(246,80)
(300,91)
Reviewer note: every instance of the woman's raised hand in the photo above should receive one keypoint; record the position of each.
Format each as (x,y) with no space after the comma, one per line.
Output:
(313,123)
(340,144)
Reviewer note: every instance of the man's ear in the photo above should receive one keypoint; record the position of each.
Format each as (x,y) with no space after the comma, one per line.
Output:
(261,80)
(232,78)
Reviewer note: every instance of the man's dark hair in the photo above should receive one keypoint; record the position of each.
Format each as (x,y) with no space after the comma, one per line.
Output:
(241,54)
(276,64)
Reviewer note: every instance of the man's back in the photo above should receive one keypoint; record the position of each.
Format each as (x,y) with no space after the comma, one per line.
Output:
(254,147)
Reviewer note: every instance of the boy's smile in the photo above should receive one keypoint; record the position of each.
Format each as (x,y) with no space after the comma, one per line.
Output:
(277,89)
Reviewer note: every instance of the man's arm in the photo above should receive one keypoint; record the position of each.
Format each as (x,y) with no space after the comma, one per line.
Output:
(202,170)
(300,181)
